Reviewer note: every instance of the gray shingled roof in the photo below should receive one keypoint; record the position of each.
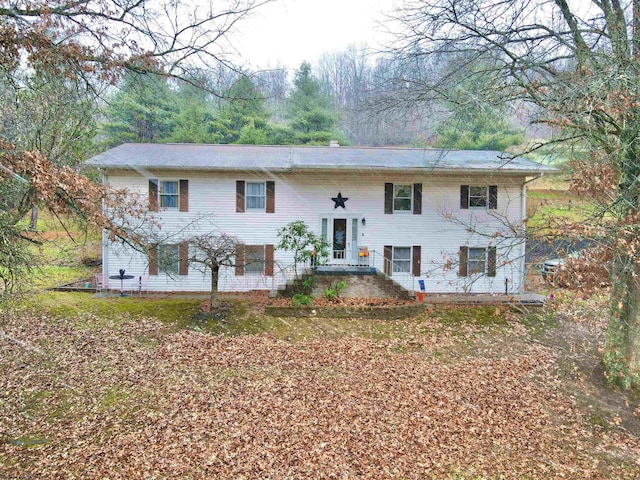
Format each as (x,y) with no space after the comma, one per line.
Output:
(295,158)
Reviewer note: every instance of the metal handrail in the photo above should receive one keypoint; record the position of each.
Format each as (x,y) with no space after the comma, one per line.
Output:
(406,279)
(282,275)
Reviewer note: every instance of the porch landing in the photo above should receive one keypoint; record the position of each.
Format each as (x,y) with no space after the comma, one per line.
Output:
(344,270)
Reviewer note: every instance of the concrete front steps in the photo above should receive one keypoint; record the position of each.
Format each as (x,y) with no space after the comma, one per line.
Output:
(360,282)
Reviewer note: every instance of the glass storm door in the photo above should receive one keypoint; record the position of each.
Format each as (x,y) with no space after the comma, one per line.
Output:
(342,236)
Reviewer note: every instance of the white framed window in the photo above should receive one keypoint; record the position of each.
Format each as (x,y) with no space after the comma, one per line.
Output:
(478,196)
(402,197)
(255,196)
(254,259)
(169,194)
(169,258)
(401,259)
(477,261)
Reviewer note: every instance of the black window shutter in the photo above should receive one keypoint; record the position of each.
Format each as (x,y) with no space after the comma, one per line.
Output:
(388,259)
(153,194)
(240,196)
(240,259)
(388,198)
(464,259)
(184,195)
(464,196)
(183,258)
(491,261)
(417,198)
(271,197)
(417,260)
(153,259)
(268,260)
(493,197)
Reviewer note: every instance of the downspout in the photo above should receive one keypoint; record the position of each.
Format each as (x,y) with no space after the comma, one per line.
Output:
(523,216)
(105,268)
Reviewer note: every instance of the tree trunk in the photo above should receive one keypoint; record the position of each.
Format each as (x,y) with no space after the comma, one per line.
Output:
(622,353)
(34,218)
(215,276)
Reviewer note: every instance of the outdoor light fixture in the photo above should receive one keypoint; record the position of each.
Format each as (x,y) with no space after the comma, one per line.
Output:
(364,221)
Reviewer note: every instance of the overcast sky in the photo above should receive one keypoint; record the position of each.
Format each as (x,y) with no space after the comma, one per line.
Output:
(288,32)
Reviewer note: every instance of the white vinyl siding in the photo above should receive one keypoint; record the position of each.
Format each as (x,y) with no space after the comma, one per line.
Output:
(307,196)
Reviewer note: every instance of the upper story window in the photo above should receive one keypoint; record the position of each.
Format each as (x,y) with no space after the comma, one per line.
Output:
(255,196)
(169,194)
(478,196)
(401,198)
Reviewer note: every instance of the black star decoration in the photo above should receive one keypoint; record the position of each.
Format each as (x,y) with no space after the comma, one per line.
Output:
(339,201)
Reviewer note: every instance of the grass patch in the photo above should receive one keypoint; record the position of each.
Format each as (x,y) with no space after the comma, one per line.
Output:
(486,316)
(74,305)
(241,321)
(557,205)
(113,397)
(53,276)
(27,441)
(538,323)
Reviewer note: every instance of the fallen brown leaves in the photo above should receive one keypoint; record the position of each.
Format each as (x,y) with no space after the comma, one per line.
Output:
(129,400)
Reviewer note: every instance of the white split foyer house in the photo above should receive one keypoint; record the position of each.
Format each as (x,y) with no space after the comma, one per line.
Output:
(445,221)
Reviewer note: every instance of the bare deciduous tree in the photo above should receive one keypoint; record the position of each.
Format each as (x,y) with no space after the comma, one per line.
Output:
(93,39)
(84,45)
(577,66)
(210,252)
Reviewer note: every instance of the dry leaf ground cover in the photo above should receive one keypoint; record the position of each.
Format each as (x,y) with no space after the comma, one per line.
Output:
(454,393)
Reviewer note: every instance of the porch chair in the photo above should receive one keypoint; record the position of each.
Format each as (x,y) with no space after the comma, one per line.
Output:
(102,283)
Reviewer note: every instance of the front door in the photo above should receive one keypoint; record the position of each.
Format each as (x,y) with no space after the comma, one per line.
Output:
(342,235)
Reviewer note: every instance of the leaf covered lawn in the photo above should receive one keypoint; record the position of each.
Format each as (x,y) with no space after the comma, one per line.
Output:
(136,400)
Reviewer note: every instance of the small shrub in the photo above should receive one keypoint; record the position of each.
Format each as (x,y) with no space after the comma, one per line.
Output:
(308,283)
(300,299)
(303,287)
(333,293)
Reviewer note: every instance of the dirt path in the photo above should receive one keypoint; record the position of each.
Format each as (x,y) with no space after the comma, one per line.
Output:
(577,341)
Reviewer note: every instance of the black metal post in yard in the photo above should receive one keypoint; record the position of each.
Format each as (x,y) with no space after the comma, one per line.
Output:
(506,286)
